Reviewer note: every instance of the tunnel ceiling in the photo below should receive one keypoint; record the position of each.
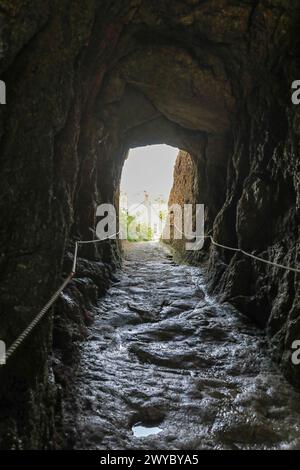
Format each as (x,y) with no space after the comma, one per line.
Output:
(186,92)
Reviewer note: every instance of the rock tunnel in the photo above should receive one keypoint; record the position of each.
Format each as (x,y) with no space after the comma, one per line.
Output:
(85,83)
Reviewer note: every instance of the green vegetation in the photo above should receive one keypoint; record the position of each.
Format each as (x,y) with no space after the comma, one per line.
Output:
(136,231)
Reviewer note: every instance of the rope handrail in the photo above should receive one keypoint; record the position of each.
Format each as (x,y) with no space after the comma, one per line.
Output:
(56,294)
(86,242)
(37,319)
(51,301)
(240,250)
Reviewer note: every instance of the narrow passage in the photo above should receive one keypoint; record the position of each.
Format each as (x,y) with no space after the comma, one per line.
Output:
(167,367)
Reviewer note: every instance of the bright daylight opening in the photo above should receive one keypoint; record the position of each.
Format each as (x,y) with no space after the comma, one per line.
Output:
(146,183)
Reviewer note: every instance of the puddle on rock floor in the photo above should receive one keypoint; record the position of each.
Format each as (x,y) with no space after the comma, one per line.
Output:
(141,430)
(169,357)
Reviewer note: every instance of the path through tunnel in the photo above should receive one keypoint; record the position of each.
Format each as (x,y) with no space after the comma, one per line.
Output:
(210,78)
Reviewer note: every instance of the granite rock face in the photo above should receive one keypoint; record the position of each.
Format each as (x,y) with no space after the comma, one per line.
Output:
(87,81)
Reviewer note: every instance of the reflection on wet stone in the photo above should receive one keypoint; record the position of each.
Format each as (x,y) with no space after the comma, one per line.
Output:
(143,431)
(167,367)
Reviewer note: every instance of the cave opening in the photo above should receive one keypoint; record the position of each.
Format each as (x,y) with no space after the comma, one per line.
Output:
(146,183)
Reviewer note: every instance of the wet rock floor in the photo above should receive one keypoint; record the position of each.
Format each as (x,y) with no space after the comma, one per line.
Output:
(163,354)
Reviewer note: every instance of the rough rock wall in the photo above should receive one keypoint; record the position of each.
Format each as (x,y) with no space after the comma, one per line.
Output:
(46,50)
(183,192)
(260,214)
(88,80)
(262,207)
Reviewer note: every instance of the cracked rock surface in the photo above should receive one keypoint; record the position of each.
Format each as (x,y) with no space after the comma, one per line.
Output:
(164,354)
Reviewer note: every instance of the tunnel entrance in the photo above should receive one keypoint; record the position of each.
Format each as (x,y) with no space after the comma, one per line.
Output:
(146,183)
